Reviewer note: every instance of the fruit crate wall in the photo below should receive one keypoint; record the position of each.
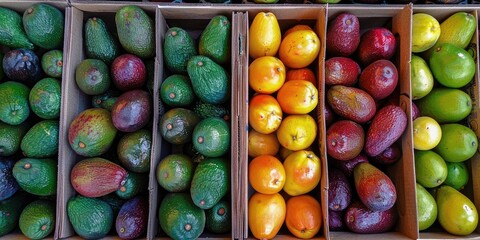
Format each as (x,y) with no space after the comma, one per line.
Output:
(20,6)
(471,190)
(397,19)
(74,101)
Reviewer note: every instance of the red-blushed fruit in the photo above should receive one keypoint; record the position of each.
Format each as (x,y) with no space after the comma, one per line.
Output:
(345,139)
(343,35)
(329,115)
(348,166)
(386,128)
(359,219)
(415,111)
(376,43)
(379,79)
(128,72)
(351,103)
(132,110)
(339,190)
(342,71)
(391,155)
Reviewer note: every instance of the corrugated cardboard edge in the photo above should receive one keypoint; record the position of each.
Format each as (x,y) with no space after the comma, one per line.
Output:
(402,172)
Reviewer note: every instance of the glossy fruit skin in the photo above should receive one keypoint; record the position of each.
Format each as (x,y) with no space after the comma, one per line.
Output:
(458,175)
(92,76)
(297,132)
(301,74)
(426,30)
(176,91)
(265,35)
(266,74)
(421,77)
(342,71)
(52,63)
(374,188)
(131,221)
(297,97)
(299,48)
(175,172)
(178,48)
(132,110)
(343,35)
(386,128)
(215,41)
(389,156)
(456,213)
(430,168)
(360,219)
(339,190)
(22,65)
(458,142)
(128,72)
(446,105)
(261,144)
(266,214)
(96,177)
(210,81)
(427,210)
(44,25)
(211,137)
(136,31)
(427,133)
(351,103)
(379,79)
(376,43)
(134,150)
(45,98)
(303,172)
(266,174)
(264,113)
(177,124)
(452,66)
(210,182)
(345,140)
(335,220)
(303,217)
(91,218)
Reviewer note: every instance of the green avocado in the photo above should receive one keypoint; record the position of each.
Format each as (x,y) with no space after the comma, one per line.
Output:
(37,219)
(45,98)
(44,25)
(210,183)
(99,42)
(91,218)
(11,30)
(215,40)
(41,140)
(14,107)
(136,31)
(11,137)
(178,48)
(36,176)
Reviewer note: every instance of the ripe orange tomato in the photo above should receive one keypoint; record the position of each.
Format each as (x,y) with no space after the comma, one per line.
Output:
(266,214)
(297,97)
(260,144)
(296,28)
(264,113)
(264,35)
(266,174)
(304,216)
(301,74)
(299,48)
(266,74)
(303,172)
(297,132)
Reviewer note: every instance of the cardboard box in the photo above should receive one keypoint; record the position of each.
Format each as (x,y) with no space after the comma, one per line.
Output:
(74,102)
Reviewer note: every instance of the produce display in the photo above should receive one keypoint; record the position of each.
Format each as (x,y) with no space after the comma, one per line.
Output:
(364,124)
(112,136)
(30,89)
(442,68)
(196,94)
(284,170)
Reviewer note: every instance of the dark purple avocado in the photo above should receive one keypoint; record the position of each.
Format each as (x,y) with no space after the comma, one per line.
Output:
(339,190)
(359,219)
(22,65)
(131,222)
(132,110)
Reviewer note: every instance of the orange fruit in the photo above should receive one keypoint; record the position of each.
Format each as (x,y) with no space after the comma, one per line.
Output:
(299,48)
(297,132)
(264,35)
(301,74)
(266,214)
(266,74)
(296,28)
(297,97)
(266,174)
(304,216)
(260,144)
(264,113)
(303,172)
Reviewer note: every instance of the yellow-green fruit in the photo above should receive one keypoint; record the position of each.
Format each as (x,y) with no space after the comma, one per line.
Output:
(425,32)
(421,77)
(458,143)
(426,208)
(456,213)
(430,168)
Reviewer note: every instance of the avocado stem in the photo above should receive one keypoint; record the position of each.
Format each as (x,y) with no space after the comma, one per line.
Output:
(200,139)
(81,145)
(44,227)
(27,166)
(188,227)
(221,211)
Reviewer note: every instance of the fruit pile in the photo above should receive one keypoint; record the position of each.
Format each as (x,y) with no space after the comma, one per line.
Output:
(112,136)
(282,129)
(442,67)
(364,124)
(197,98)
(30,89)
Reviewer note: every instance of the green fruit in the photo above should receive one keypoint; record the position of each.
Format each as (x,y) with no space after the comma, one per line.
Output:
(92,76)
(175,172)
(206,110)
(99,42)
(210,182)
(219,217)
(52,63)
(458,143)
(37,219)
(210,81)
(456,213)
(457,175)
(178,48)
(11,137)
(430,168)
(176,91)
(421,77)
(41,140)
(106,100)
(426,208)
(135,183)
(452,66)
(44,25)
(10,210)
(91,218)
(135,31)
(14,108)
(45,98)
(215,40)
(211,137)
(11,30)
(179,218)
(446,105)
(177,124)
(134,149)
(36,176)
